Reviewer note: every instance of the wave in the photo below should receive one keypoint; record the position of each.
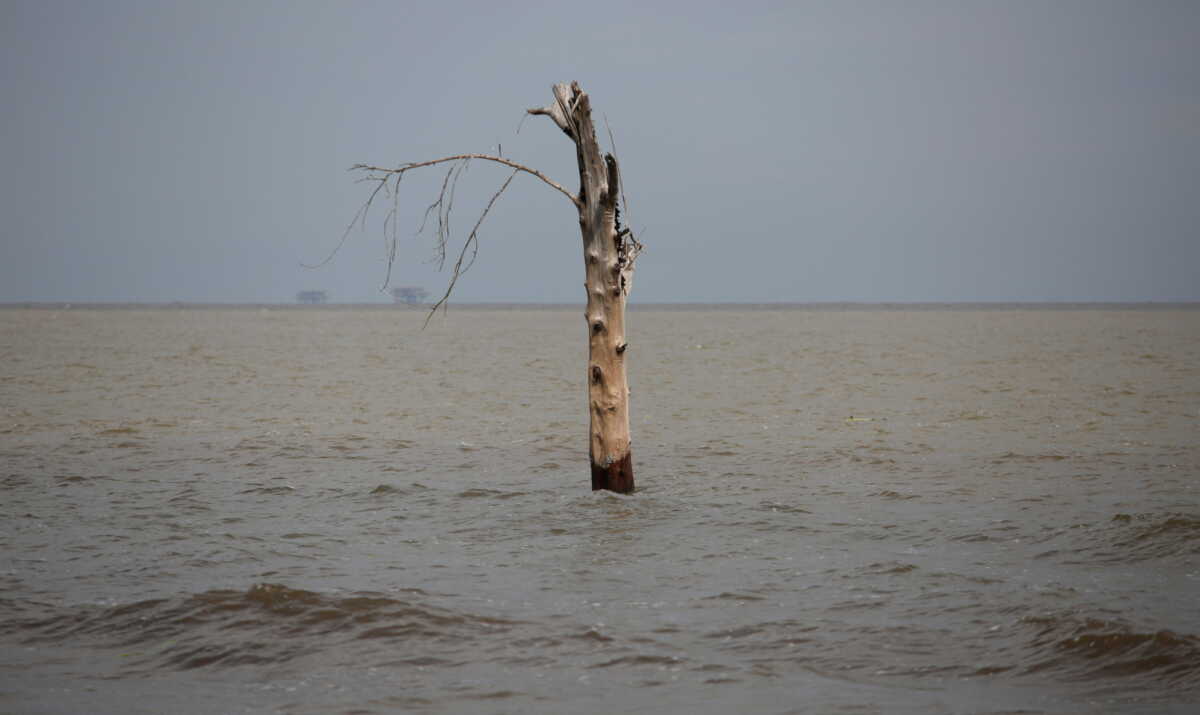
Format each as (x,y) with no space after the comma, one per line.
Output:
(268,623)
(1156,535)
(1091,649)
(1130,538)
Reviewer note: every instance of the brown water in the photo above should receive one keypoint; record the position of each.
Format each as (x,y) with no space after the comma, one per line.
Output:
(839,511)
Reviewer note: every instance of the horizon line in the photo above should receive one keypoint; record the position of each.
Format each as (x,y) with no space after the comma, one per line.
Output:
(67,304)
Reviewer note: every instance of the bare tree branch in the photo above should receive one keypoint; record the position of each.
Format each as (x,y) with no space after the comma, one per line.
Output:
(471,242)
(562,109)
(443,205)
(485,157)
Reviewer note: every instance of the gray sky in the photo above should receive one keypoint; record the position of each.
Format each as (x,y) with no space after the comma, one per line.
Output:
(861,151)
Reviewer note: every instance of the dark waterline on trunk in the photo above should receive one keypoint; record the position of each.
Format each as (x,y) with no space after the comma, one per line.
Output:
(616,477)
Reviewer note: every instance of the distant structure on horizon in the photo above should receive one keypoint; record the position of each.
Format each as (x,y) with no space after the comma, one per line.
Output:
(312,297)
(409,295)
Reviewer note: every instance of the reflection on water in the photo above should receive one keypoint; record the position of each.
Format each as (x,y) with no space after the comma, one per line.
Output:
(329,510)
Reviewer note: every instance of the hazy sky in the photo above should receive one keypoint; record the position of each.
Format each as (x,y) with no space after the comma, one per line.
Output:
(783,151)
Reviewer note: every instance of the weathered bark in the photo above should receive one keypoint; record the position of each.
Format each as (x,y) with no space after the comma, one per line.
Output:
(608,253)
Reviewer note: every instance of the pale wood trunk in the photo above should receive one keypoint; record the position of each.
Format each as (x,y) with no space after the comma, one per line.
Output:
(608,254)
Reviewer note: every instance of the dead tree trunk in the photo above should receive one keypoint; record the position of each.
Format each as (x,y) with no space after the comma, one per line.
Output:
(608,256)
(609,251)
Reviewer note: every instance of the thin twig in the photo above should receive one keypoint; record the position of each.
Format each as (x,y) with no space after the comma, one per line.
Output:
(390,242)
(444,215)
(359,217)
(472,241)
(436,204)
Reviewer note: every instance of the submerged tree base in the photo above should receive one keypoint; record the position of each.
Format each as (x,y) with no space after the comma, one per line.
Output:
(616,477)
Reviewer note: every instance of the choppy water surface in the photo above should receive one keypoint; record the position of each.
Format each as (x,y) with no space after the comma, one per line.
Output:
(859,511)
